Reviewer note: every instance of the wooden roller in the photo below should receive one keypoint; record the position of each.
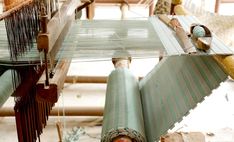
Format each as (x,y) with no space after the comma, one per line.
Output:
(122,139)
(225,61)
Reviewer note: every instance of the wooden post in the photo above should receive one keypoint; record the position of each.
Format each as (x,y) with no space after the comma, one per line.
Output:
(90,11)
(124,8)
(217,4)
(151,8)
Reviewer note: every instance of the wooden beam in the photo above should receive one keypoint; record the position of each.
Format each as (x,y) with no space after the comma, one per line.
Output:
(69,111)
(51,93)
(218,2)
(10,8)
(86,79)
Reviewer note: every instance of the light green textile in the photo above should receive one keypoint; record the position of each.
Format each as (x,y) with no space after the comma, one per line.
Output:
(123,111)
(6,86)
(174,87)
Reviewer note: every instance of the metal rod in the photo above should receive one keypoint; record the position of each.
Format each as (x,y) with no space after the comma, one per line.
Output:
(69,111)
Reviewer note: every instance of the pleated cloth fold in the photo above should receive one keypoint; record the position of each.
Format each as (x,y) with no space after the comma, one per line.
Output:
(123,110)
(174,87)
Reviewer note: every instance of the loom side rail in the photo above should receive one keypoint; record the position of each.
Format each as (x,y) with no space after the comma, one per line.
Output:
(51,94)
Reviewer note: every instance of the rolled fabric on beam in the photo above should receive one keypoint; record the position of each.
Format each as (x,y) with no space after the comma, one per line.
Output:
(6,86)
(123,111)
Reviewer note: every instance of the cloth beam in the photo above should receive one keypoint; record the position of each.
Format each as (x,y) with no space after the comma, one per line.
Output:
(123,112)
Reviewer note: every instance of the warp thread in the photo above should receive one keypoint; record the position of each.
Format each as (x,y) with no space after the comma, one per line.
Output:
(22,27)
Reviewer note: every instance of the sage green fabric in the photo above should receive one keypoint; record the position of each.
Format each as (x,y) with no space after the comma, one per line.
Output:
(174,87)
(6,86)
(123,109)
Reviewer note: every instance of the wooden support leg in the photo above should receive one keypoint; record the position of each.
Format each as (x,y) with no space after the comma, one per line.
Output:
(151,8)
(90,11)
(124,8)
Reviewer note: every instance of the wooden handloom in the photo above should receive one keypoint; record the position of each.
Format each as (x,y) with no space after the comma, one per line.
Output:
(44,87)
(35,87)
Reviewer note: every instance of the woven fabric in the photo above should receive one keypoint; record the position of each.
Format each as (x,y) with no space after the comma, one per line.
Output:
(123,109)
(174,87)
(6,86)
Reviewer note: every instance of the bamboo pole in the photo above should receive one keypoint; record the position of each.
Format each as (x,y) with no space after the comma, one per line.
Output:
(69,111)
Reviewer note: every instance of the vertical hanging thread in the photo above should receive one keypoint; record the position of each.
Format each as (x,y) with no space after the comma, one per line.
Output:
(22,27)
